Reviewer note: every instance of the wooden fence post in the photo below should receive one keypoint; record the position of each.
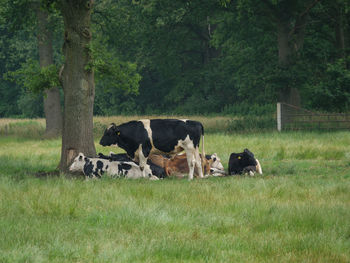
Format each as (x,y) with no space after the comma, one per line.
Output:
(279,117)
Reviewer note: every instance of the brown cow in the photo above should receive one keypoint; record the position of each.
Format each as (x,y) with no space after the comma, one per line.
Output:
(177,165)
(158,159)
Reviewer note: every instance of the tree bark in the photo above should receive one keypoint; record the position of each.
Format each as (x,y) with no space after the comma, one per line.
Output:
(52,105)
(339,32)
(284,49)
(78,82)
(288,94)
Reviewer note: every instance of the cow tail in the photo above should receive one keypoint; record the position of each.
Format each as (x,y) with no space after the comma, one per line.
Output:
(203,153)
(258,167)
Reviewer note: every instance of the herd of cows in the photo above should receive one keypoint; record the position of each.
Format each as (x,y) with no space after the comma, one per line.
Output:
(153,150)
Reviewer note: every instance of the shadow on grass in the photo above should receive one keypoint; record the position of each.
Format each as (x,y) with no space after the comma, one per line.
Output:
(47,174)
(24,167)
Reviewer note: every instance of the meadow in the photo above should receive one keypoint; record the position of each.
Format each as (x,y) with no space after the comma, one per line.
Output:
(297,211)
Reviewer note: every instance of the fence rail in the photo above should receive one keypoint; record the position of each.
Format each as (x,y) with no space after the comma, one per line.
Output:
(290,117)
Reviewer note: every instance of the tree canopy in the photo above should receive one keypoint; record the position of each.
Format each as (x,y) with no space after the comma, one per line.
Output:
(189,56)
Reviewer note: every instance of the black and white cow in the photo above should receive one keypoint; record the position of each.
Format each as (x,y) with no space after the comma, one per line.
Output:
(243,162)
(171,136)
(216,161)
(156,170)
(96,167)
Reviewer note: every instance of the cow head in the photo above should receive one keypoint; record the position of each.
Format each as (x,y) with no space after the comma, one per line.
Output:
(247,158)
(110,136)
(78,163)
(215,161)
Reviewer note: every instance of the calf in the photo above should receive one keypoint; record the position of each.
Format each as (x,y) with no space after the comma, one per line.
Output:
(244,162)
(155,169)
(140,138)
(96,167)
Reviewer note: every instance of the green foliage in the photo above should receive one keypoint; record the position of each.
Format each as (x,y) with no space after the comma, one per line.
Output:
(246,109)
(9,94)
(252,124)
(31,105)
(117,82)
(181,57)
(35,78)
(114,73)
(332,92)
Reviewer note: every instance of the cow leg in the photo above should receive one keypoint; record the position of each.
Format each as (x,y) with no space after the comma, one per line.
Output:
(143,164)
(145,169)
(198,163)
(191,162)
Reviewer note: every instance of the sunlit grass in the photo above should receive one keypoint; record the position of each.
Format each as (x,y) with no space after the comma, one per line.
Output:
(222,219)
(297,211)
(35,127)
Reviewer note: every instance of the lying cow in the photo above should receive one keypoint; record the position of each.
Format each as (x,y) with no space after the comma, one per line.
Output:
(244,162)
(96,167)
(159,159)
(140,138)
(216,162)
(217,172)
(177,165)
(156,170)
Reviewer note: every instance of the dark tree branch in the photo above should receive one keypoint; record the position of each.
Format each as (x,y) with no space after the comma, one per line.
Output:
(198,32)
(301,20)
(307,10)
(274,11)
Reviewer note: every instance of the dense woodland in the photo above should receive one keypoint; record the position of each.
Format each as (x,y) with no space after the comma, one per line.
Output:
(183,57)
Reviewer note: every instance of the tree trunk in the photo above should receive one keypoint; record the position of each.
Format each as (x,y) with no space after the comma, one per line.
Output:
(284,49)
(78,82)
(52,105)
(339,32)
(288,94)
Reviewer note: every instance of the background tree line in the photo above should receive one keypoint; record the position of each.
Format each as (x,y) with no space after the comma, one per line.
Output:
(183,57)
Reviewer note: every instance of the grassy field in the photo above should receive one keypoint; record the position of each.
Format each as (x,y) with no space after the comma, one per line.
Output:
(297,211)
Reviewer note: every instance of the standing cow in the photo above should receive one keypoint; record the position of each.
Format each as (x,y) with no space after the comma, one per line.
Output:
(171,136)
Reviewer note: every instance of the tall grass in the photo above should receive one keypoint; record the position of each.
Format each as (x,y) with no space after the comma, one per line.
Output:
(35,128)
(217,220)
(297,211)
(22,128)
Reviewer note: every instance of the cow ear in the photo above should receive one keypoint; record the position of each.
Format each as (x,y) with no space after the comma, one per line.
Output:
(81,156)
(112,126)
(249,153)
(216,157)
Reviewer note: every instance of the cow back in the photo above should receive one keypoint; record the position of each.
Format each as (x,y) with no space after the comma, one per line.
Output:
(166,133)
